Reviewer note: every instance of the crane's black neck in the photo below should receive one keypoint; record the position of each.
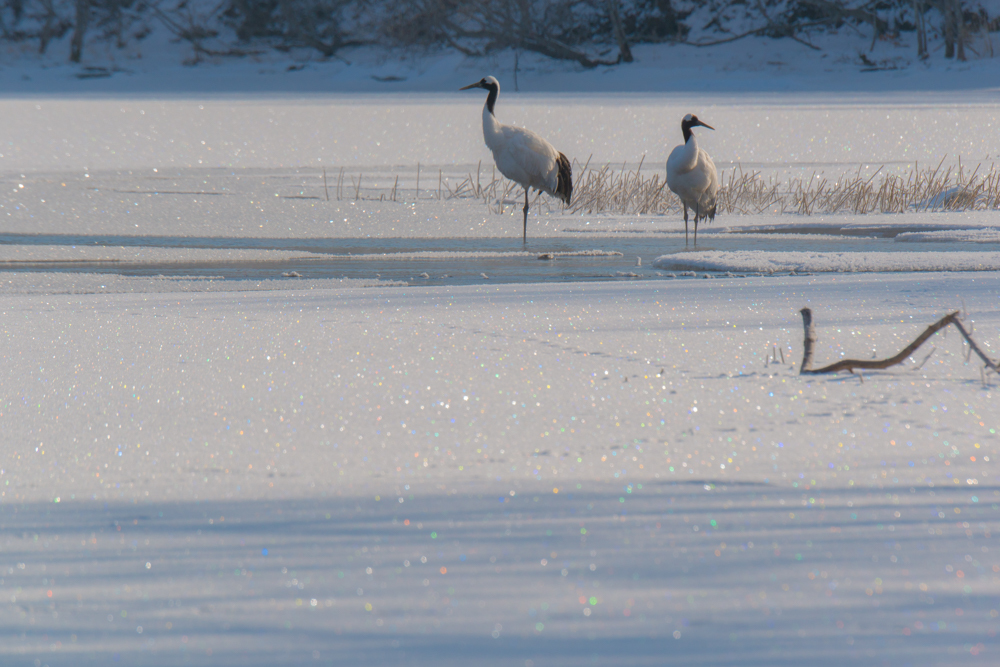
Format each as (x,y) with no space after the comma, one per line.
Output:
(491,99)
(686,129)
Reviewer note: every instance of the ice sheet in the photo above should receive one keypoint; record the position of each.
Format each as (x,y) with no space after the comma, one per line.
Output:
(761,261)
(804,134)
(252,472)
(257,479)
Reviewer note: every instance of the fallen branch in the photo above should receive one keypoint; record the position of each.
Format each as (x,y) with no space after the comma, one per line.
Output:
(774,30)
(851,364)
(989,363)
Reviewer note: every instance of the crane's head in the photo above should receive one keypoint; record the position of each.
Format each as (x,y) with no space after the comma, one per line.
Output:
(690,121)
(490,84)
(487,83)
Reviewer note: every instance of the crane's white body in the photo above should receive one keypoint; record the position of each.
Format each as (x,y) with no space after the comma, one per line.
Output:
(523,156)
(692,176)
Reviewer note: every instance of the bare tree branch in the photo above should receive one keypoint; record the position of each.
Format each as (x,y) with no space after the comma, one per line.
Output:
(974,347)
(79,30)
(769,30)
(625,53)
(851,364)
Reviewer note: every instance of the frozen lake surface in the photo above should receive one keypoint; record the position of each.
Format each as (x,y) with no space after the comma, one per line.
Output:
(580,257)
(250,418)
(591,473)
(808,131)
(251,224)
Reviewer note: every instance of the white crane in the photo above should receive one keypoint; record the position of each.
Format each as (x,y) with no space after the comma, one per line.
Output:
(523,156)
(691,175)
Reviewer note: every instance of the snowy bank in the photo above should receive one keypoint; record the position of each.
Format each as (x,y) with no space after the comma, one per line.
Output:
(761,261)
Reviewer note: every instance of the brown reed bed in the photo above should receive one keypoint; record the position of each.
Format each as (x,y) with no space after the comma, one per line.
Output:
(620,190)
(623,191)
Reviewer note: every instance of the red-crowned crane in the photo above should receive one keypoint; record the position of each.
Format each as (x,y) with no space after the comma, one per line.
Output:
(691,175)
(523,156)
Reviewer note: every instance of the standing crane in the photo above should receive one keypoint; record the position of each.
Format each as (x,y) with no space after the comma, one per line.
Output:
(691,175)
(523,156)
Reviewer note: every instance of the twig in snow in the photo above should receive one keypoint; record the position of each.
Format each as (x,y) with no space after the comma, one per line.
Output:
(851,364)
(925,359)
(989,363)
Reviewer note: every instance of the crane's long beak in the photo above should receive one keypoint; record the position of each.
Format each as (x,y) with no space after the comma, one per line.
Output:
(477,84)
(704,125)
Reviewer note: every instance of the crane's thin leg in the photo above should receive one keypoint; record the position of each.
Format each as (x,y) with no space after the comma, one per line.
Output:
(697,211)
(526,215)
(685,225)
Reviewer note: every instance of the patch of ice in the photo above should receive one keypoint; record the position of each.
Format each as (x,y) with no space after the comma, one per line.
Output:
(827,262)
(990,235)
(39,283)
(31,254)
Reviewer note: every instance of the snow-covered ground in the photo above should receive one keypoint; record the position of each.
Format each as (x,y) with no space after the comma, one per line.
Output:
(754,65)
(251,418)
(599,473)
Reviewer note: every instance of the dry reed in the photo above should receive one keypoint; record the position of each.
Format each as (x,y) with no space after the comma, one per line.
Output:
(619,190)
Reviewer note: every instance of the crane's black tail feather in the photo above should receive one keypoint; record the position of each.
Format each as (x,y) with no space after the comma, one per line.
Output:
(710,213)
(564,182)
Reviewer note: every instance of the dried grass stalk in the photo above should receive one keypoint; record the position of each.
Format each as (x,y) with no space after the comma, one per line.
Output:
(619,190)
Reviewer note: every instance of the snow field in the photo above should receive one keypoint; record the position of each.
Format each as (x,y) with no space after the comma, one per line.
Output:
(759,66)
(294,423)
(759,261)
(661,464)
(735,574)
(234,209)
(373,371)
(828,134)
